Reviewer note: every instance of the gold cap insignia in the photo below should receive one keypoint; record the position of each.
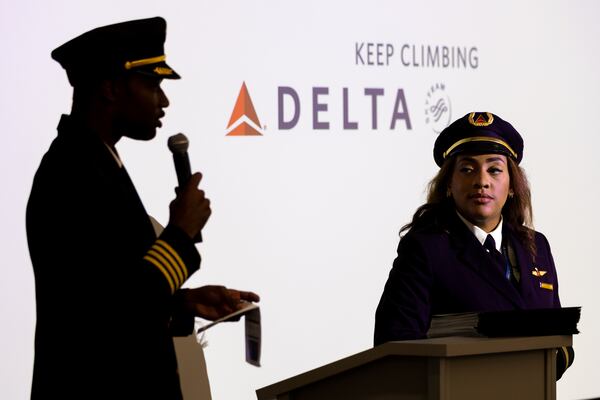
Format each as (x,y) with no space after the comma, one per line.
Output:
(163,71)
(538,273)
(481,119)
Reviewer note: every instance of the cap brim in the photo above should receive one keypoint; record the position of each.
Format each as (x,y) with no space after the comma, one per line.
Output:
(482,148)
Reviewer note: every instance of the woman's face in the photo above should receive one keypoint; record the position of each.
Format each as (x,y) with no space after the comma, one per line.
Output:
(480,185)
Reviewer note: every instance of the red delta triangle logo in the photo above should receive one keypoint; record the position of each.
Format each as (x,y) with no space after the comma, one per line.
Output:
(243,120)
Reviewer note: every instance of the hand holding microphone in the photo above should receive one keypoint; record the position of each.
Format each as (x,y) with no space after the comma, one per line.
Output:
(191,209)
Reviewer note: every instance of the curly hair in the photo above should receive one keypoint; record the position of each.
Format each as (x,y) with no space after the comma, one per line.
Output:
(517,210)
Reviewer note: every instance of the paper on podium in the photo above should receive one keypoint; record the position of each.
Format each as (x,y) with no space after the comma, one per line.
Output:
(459,324)
(532,322)
(251,312)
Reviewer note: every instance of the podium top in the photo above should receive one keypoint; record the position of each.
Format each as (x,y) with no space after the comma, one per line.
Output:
(454,346)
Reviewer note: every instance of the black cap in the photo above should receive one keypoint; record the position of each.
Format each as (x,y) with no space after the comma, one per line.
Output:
(478,133)
(135,46)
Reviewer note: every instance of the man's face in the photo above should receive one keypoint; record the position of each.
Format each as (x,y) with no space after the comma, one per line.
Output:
(139,106)
(480,186)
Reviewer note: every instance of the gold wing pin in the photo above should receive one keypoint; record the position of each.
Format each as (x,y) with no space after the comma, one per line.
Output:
(538,273)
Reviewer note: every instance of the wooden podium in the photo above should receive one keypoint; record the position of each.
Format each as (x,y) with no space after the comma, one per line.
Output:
(451,368)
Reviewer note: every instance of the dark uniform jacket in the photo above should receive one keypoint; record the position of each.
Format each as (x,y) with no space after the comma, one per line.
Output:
(106,288)
(442,270)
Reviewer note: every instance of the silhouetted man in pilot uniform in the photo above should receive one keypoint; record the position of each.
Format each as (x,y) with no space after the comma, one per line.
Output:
(107,289)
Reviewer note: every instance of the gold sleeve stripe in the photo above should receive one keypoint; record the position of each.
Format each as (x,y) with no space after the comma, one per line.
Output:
(175,255)
(168,267)
(177,263)
(164,272)
(171,261)
(566,353)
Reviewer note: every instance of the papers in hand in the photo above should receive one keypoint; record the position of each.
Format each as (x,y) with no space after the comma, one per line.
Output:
(253,333)
(247,308)
(251,313)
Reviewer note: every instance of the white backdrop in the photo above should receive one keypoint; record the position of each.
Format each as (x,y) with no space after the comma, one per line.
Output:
(309,218)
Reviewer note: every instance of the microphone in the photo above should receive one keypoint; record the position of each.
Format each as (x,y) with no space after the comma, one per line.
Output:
(178,144)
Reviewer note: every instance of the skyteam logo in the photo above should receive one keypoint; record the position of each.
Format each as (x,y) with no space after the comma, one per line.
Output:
(243,120)
(438,109)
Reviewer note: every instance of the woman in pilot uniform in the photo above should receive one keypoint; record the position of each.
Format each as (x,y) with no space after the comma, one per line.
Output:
(470,247)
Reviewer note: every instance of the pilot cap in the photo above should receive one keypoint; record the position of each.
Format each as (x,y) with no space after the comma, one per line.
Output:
(478,133)
(131,46)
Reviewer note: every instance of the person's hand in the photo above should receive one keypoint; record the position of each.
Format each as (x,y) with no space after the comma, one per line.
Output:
(214,302)
(191,209)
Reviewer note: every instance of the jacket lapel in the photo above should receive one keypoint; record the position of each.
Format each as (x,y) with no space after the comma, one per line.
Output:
(475,257)
(524,262)
(127,196)
(125,203)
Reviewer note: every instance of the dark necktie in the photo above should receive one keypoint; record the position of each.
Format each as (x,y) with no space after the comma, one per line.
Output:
(500,260)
